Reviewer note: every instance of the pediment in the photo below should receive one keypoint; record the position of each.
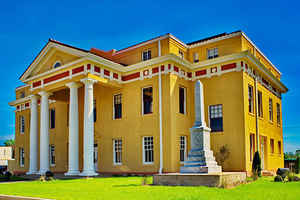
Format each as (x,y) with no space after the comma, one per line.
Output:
(52,53)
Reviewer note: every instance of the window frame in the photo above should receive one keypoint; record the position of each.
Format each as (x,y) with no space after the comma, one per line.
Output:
(252,146)
(271,113)
(120,151)
(21,157)
(272,147)
(215,51)
(144,151)
(184,100)
(114,114)
(183,149)
(196,57)
(250,99)
(22,124)
(209,117)
(52,122)
(143,101)
(94,110)
(181,54)
(279,145)
(52,155)
(260,104)
(278,114)
(147,53)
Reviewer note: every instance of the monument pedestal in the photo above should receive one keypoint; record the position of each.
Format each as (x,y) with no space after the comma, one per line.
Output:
(200,160)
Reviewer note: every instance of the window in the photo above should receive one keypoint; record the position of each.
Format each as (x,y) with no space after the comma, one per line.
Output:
(252,146)
(118,106)
(181,54)
(148,157)
(95,110)
(216,118)
(22,95)
(260,106)
(22,124)
(212,53)
(250,98)
(279,147)
(182,148)
(270,109)
(147,100)
(57,64)
(117,151)
(182,100)
(272,145)
(278,113)
(52,118)
(22,159)
(196,57)
(146,55)
(52,155)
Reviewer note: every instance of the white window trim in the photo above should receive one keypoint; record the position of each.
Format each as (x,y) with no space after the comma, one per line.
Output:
(147,54)
(114,152)
(114,117)
(222,116)
(185,148)
(143,100)
(144,162)
(212,49)
(22,123)
(184,111)
(50,155)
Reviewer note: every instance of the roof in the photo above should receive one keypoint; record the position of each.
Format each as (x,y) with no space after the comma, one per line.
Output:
(211,37)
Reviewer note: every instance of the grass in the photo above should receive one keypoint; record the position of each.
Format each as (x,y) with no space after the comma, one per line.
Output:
(131,188)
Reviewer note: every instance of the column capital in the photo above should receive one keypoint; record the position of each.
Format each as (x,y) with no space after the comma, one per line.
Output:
(88,81)
(44,93)
(73,85)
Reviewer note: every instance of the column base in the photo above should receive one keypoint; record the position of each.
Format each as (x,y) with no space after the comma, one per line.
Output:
(88,173)
(32,173)
(43,172)
(72,173)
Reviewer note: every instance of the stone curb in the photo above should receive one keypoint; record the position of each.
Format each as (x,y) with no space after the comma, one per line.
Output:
(12,197)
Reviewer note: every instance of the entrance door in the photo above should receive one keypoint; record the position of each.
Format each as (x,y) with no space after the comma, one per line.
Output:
(96,157)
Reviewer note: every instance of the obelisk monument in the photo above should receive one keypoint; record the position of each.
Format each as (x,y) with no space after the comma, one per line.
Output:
(200,158)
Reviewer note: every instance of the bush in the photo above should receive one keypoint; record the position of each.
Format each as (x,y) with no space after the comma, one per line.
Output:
(292,177)
(49,175)
(283,172)
(278,179)
(256,165)
(7,175)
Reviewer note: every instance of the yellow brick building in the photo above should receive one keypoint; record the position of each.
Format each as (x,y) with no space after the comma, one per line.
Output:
(130,110)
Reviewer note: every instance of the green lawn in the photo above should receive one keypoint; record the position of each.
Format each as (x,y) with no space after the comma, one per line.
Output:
(131,188)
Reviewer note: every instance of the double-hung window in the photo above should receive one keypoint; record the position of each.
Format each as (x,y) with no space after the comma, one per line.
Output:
(117,151)
(22,157)
(182,148)
(212,53)
(260,104)
(250,99)
(278,113)
(182,100)
(279,147)
(181,54)
(196,57)
(52,155)
(52,118)
(148,153)
(118,106)
(147,100)
(216,117)
(270,109)
(272,145)
(95,110)
(22,124)
(146,55)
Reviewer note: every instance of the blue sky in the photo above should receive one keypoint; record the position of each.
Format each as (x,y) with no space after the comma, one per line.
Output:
(25,27)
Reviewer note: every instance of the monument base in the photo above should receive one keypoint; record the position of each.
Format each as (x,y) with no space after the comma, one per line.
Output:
(223,180)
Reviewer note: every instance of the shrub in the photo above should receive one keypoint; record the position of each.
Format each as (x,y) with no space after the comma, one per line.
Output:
(292,177)
(278,179)
(7,175)
(223,155)
(256,165)
(283,172)
(49,175)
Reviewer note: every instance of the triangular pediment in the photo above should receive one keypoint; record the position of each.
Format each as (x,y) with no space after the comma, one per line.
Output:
(50,55)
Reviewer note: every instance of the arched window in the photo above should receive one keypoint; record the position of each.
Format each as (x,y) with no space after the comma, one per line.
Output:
(57,64)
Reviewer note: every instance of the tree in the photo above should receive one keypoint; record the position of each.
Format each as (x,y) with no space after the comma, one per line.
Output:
(10,142)
(256,164)
(223,155)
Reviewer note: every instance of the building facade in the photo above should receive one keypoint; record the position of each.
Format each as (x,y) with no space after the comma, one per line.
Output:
(130,111)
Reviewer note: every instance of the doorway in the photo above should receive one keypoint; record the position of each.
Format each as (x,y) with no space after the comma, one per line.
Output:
(96,157)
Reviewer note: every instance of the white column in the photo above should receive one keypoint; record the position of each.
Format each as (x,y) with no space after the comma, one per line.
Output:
(73,130)
(44,132)
(88,138)
(33,135)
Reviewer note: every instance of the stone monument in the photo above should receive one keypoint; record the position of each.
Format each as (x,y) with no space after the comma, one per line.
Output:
(200,158)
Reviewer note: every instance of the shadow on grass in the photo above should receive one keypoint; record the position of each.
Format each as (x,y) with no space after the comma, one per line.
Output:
(128,185)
